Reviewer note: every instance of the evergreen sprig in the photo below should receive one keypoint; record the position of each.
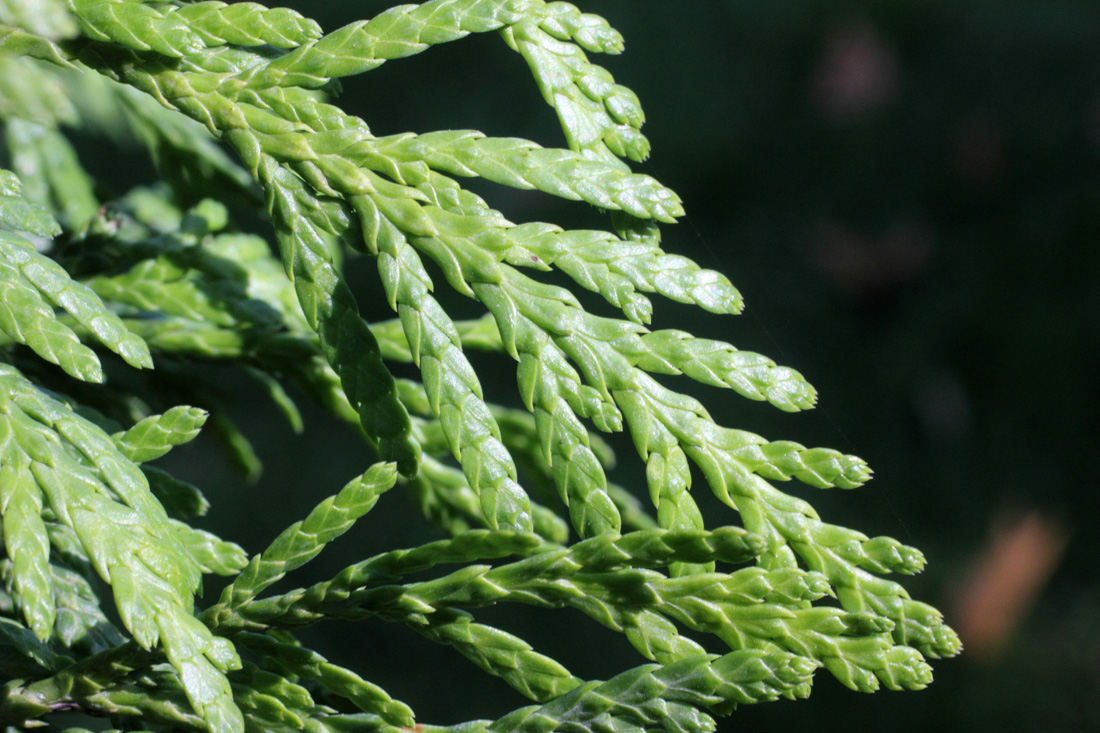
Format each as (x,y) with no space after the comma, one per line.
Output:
(164,276)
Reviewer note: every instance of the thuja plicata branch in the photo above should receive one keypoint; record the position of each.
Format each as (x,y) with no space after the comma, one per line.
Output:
(113,309)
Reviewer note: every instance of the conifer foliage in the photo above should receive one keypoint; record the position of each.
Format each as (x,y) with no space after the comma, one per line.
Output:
(110,307)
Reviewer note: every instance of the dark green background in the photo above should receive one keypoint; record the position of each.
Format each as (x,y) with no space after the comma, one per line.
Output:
(908,195)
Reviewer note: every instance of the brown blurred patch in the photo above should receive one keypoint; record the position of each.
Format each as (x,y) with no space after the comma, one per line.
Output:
(858,72)
(864,266)
(1005,579)
(980,152)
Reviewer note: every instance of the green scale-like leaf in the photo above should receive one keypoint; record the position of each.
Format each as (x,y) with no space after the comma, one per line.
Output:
(156,435)
(525,165)
(33,285)
(54,457)
(597,115)
(301,542)
(26,540)
(330,308)
(178,31)
(289,659)
(664,695)
(21,215)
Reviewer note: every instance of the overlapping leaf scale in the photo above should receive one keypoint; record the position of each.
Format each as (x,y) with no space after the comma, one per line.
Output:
(602,120)
(19,42)
(554,392)
(497,652)
(179,31)
(499,477)
(449,379)
(273,702)
(184,152)
(759,512)
(26,318)
(547,571)
(331,310)
(719,365)
(844,556)
(664,433)
(597,345)
(599,117)
(34,285)
(542,360)
(155,435)
(93,489)
(115,682)
(446,499)
(606,348)
(302,541)
(524,440)
(265,282)
(448,376)
(501,654)
(81,623)
(598,261)
(751,608)
(67,549)
(136,25)
(404,212)
(618,268)
(474,545)
(563,441)
(666,695)
(462,264)
(526,165)
(395,33)
(248,24)
(668,479)
(410,29)
(384,220)
(26,541)
(210,552)
(290,660)
(20,214)
(741,452)
(480,333)
(591,32)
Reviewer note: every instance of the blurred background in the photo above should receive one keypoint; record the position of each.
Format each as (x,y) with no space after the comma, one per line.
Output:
(908,195)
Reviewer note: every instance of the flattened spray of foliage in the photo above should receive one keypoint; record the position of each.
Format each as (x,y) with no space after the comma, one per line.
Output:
(101,566)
